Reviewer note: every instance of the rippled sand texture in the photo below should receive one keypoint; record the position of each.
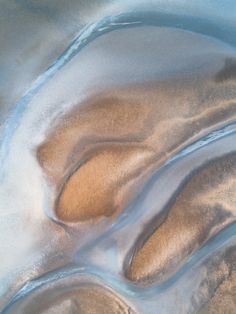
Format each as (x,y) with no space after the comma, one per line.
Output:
(206,204)
(224,300)
(218,289)
(125,152)
(115,139)
(87,299)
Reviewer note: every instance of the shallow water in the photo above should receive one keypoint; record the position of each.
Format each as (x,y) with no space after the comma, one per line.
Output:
(118,171)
